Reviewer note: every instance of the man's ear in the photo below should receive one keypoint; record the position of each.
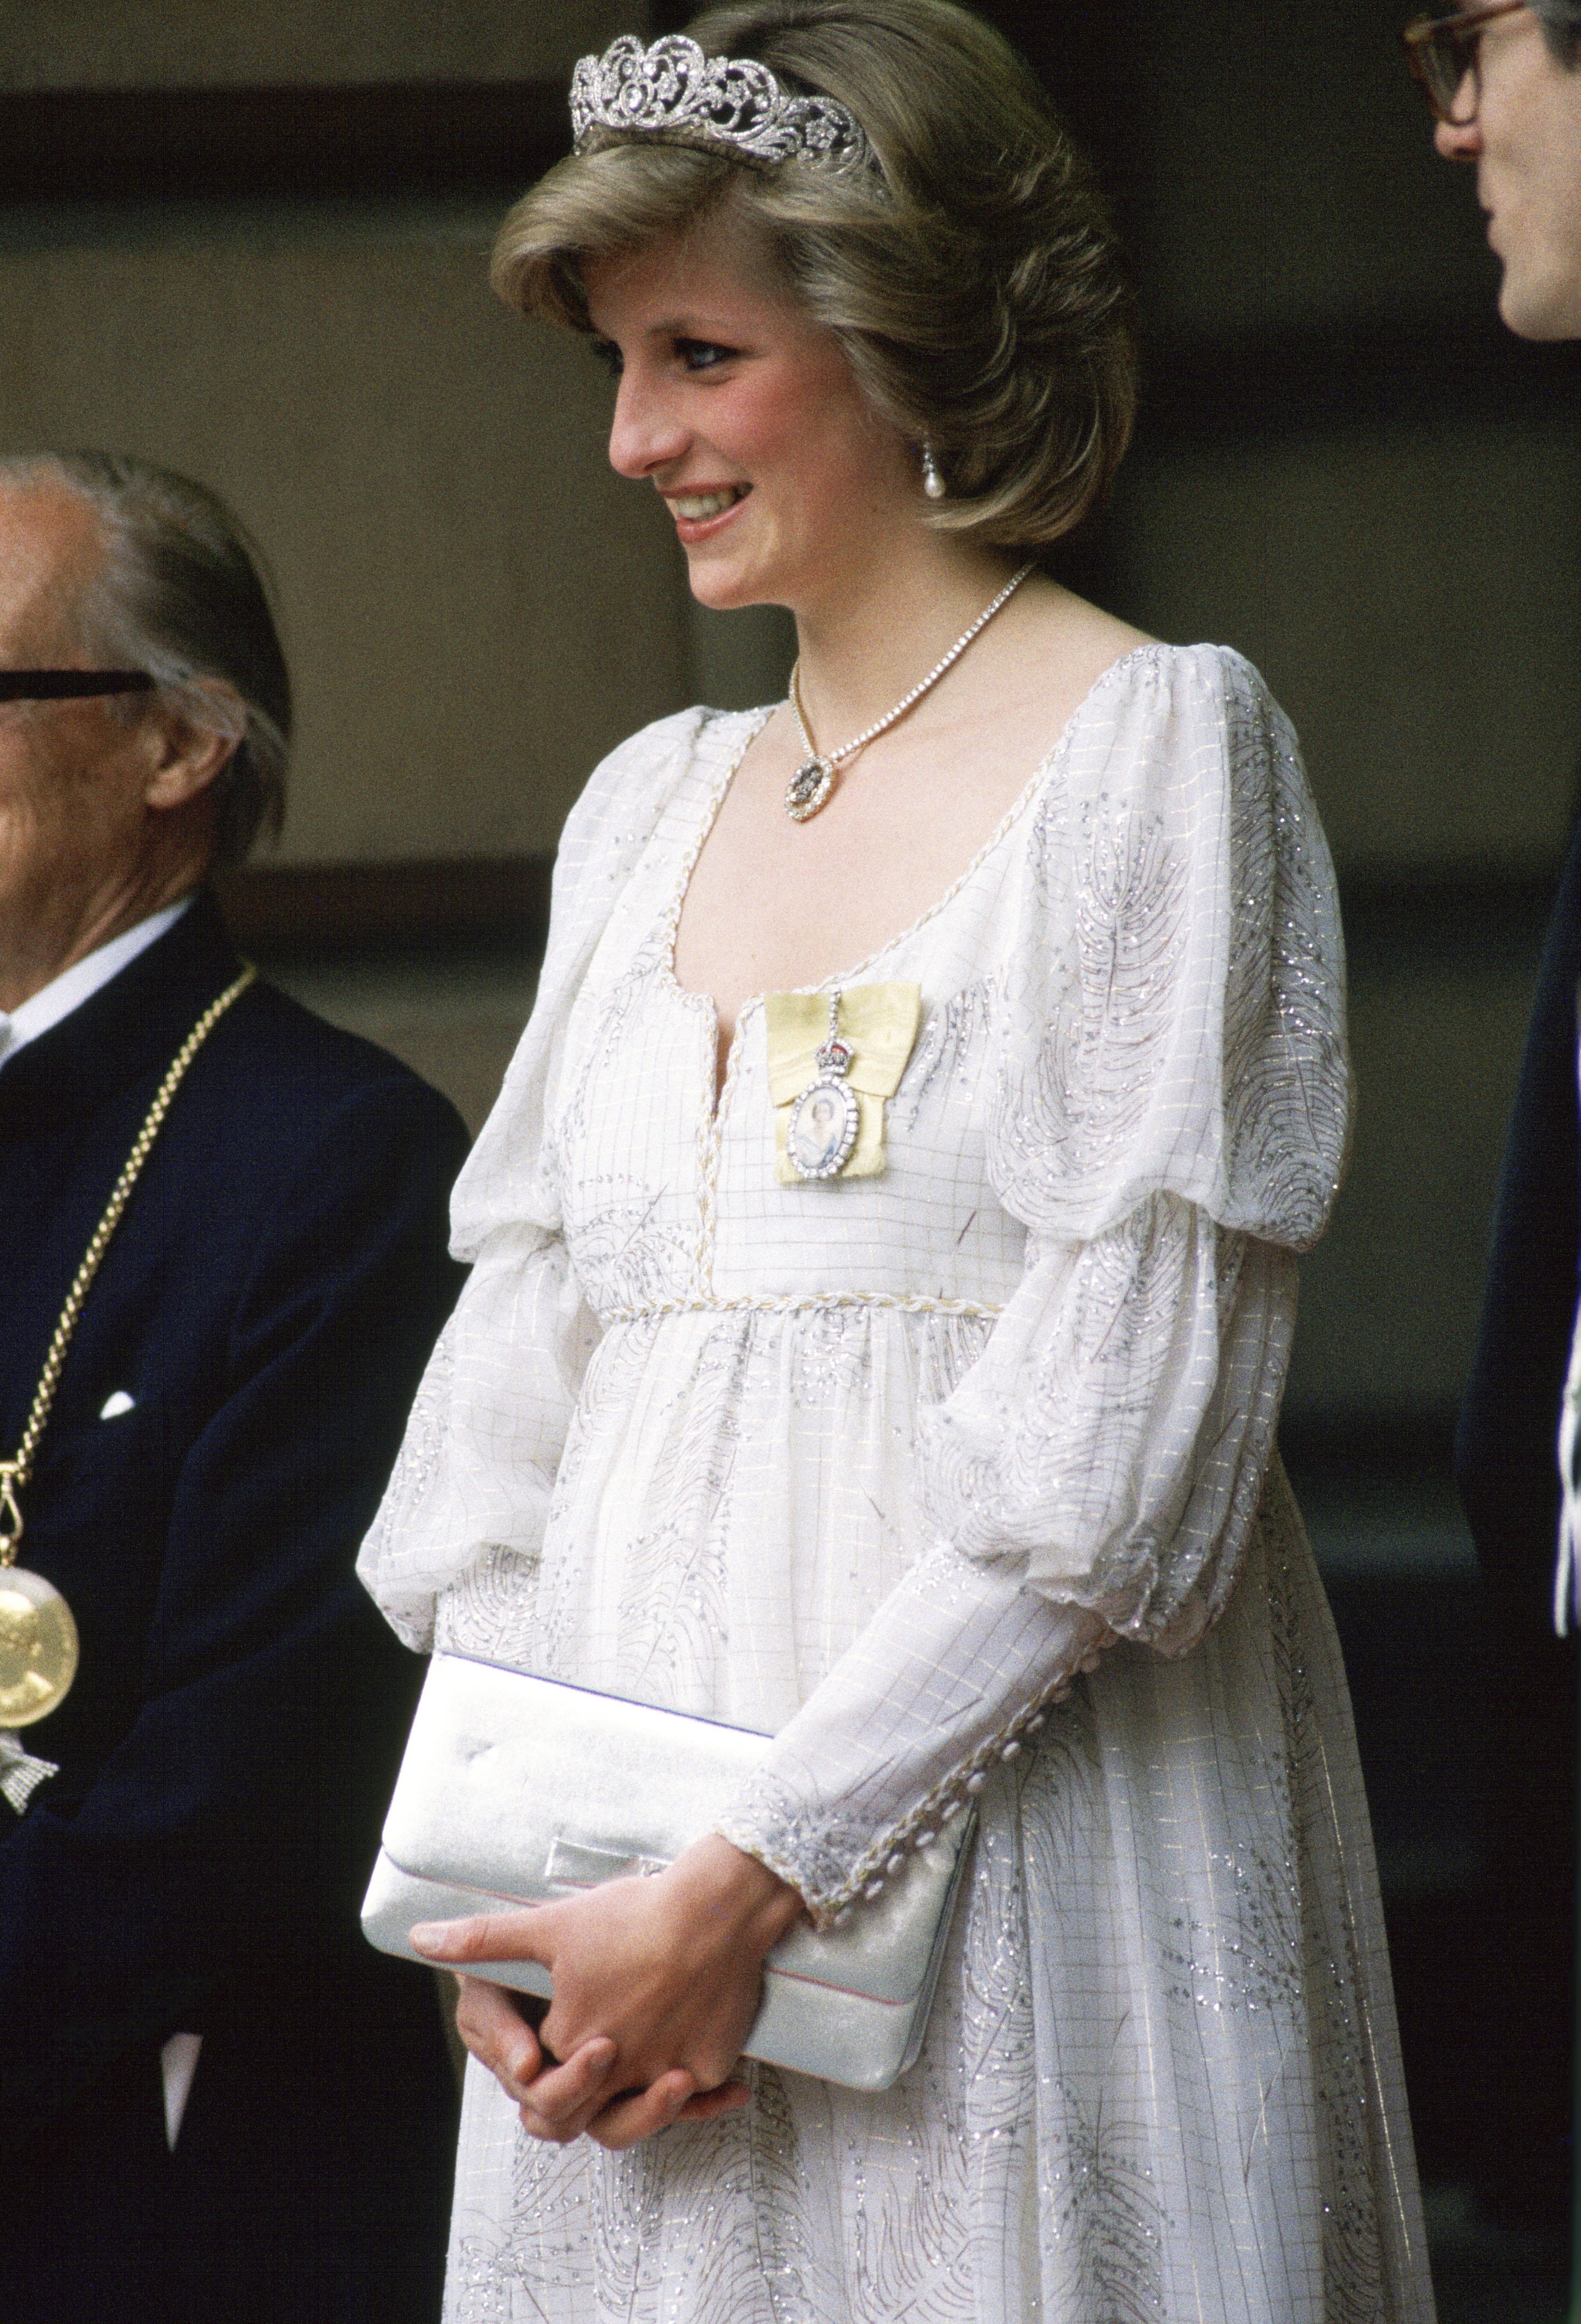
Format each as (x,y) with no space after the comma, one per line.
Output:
(187,752)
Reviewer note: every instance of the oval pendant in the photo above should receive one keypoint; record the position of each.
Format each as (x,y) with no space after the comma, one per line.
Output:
(822,1130)
(38,1647)
(807,788)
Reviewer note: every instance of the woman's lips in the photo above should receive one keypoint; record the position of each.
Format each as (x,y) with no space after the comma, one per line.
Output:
(698,515)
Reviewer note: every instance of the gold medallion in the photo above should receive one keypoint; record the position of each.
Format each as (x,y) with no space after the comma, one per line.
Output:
(38,1647)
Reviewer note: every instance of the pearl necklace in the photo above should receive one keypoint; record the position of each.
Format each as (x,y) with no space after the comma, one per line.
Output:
(814,780)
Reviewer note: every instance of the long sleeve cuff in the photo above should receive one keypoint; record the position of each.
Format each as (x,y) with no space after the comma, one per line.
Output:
(956,1670)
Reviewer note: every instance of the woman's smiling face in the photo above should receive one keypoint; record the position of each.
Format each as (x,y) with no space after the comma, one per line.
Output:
(783,483)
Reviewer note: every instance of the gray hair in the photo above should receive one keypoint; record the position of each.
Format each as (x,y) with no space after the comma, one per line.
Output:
(1561,22)
(181,595)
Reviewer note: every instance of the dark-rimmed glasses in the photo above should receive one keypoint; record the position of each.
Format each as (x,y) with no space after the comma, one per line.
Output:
(69,684)
(1442,51)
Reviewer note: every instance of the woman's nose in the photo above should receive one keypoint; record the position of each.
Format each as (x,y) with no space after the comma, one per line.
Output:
(643,435)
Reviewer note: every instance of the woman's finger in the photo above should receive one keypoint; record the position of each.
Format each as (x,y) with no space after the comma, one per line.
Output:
(563,2126)
(497,2034)
(485,1937)
(578,2087)
(633,2116)
(642,2113)
(728,2099)
(554,2134)
(564,2130)
(580,2084)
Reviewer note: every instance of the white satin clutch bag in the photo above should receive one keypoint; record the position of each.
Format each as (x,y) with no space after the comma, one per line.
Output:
(516,1790)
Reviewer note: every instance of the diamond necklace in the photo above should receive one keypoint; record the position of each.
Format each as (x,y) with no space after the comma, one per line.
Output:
(814,780)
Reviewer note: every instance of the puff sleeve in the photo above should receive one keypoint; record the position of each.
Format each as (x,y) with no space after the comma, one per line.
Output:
(1170,1115)
(484,1441)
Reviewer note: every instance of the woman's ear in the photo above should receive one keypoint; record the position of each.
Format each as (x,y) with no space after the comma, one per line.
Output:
(188,750)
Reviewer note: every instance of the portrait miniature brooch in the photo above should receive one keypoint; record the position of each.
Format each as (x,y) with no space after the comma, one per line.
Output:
(833,1060)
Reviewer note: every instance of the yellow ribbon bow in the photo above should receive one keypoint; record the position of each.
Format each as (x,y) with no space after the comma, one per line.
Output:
(879,1023)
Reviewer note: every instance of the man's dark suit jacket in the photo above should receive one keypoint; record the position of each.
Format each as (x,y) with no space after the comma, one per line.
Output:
(268,1302)
(1507,1465)
(1506,1451)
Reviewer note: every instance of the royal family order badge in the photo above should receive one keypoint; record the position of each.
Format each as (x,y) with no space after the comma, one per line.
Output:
(825,1118)
(834,1058)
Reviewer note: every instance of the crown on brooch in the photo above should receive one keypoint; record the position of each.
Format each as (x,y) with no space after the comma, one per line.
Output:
(676,96)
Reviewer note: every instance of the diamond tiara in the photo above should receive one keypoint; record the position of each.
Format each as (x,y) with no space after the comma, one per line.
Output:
(676,96)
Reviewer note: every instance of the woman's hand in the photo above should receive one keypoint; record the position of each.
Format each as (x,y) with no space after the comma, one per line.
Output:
(656,1984)
(490,2022)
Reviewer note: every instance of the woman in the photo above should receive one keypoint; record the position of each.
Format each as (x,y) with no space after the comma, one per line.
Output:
(887,1444)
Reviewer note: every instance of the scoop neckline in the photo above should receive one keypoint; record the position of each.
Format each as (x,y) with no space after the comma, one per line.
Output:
(1042,775)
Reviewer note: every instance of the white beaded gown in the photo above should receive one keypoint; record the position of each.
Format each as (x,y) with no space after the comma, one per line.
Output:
(860,1463)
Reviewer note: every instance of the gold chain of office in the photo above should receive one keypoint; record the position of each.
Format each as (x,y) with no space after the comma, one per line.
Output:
(14,1473)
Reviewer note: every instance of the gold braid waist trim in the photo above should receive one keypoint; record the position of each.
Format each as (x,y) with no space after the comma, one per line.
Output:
(792,1303)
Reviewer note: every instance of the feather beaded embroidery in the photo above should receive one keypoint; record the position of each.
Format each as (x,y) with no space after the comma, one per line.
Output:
(884,1474)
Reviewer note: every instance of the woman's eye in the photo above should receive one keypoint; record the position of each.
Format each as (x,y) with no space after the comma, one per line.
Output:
(702,355)
(606,353)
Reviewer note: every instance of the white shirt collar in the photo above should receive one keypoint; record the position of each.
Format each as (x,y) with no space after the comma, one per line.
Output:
(74,985)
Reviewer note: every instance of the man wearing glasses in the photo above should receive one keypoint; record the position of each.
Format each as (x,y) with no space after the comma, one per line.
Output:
(1504,84)
(222,1243)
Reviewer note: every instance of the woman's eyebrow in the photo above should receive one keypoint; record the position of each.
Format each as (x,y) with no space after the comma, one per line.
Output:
(690,327)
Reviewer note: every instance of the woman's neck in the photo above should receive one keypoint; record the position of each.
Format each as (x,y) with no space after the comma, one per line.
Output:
(873,634)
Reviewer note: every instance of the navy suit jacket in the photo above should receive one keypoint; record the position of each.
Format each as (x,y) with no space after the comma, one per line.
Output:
(267,1303)
(1506,1449)
(1517,1946)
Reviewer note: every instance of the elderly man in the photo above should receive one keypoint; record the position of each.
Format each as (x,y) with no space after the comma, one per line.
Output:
(1504,81)
(215,2103)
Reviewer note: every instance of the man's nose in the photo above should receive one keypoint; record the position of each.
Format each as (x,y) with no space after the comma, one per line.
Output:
(1458,141)
(643,435)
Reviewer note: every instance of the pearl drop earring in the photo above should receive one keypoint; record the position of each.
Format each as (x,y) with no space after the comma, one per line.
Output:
(932,482)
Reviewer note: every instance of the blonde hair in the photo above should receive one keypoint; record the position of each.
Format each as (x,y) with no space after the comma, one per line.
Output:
(973,278)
